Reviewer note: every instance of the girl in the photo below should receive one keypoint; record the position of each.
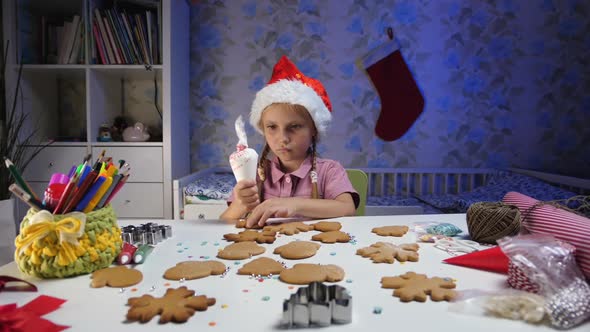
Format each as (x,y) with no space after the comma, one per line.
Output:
(292,112)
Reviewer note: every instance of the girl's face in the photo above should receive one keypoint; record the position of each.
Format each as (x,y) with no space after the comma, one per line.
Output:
(288,130)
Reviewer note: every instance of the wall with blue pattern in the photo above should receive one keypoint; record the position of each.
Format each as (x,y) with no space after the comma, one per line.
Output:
(505,82)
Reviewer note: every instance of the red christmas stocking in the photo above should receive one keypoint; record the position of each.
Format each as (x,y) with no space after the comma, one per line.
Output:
(401,100)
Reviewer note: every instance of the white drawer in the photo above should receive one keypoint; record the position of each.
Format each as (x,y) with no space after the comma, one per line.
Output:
(145,161)
(53,159)
(139,200)
(203,211)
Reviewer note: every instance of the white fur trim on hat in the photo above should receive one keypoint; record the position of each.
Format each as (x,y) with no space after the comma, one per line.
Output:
(291,92)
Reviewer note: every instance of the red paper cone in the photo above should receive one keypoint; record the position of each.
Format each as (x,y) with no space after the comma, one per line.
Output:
(492,259)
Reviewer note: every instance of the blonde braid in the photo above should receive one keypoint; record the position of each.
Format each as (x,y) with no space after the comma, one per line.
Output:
(314,175)
(261,168)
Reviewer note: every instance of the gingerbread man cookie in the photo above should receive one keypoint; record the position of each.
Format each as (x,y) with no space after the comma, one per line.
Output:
(385,252)
(391,230)
(194,270)
(416,287)
(303,274)
(118,276)
(252,235)
(290,228)
(331,237)
(327,226)
(177,305)
(262,266)
(240,250)
(297,250)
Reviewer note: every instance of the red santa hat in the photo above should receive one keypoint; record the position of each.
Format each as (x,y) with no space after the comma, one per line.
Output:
(289,85)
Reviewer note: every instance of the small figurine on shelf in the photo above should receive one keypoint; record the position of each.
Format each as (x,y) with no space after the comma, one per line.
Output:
(121,122)
(104,134)
(137,133)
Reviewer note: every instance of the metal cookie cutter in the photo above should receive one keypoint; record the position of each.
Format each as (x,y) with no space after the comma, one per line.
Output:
(317,304)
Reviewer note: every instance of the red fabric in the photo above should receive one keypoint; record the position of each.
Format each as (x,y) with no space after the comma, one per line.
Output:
(28,287)
(401,100)
(492,259)
(28,317)
(550,220)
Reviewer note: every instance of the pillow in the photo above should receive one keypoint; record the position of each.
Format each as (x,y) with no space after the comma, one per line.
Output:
(562,224)
(500,184)
(213,186)
(444,203)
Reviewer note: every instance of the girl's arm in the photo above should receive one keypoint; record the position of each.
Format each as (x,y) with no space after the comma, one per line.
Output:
(245,199)
(234,212)
(341,206)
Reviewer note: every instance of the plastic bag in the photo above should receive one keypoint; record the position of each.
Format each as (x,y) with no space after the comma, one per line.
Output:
(550,263)
(510,304)
(432,231)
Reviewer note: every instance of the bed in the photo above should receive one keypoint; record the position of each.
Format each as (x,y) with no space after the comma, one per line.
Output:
(395,191)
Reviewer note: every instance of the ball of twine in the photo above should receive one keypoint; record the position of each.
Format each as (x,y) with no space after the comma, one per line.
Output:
(490,221)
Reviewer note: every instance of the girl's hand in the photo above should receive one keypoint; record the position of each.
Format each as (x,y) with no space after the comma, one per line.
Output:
(247,194)
(272,208)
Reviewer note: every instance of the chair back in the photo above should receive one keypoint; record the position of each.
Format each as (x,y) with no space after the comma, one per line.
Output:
(360,182)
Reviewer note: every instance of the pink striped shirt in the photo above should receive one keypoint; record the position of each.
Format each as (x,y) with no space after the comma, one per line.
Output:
(332,181)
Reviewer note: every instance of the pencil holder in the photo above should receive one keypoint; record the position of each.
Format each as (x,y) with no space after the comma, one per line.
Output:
(59,246)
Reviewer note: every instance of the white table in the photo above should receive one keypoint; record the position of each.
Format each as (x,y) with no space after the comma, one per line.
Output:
(240,305)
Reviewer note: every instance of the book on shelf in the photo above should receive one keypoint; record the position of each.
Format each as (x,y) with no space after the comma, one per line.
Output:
(126,35)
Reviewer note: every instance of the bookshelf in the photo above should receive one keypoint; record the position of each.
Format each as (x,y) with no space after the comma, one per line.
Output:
(70,93)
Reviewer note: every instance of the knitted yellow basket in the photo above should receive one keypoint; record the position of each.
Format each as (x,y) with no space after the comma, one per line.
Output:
(58,246)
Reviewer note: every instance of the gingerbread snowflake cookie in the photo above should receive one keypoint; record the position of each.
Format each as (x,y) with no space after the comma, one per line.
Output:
(252,235)
(177,305)
(303,274)
(290,228)
(391,230)
(385,252)
(331,237)
(240,250)
(297,249)
(189,270)
(416,287)
(118,276)
(262,266)
(327,226)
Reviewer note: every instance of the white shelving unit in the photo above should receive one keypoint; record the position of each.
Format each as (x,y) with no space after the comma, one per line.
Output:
(69,103)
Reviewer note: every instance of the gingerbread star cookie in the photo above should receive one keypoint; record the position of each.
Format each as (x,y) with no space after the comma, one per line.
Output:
(327,226)
(177,305)
(331,237)
(240,250)
(290,228)
(194,270)
(385,252)
(390,230)
(303,274)
(297,249)
(262,266)
(252,235)
(118,276)
(416,287)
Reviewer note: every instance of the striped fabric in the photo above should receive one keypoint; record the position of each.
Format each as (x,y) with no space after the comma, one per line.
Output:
(562,224)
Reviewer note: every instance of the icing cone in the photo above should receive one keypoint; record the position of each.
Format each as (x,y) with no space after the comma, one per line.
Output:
(243,163)
(492,259)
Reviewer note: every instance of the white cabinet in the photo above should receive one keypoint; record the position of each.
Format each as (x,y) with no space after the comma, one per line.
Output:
(68,102)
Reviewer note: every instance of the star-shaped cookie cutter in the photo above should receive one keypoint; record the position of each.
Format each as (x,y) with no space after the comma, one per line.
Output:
(317,304)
